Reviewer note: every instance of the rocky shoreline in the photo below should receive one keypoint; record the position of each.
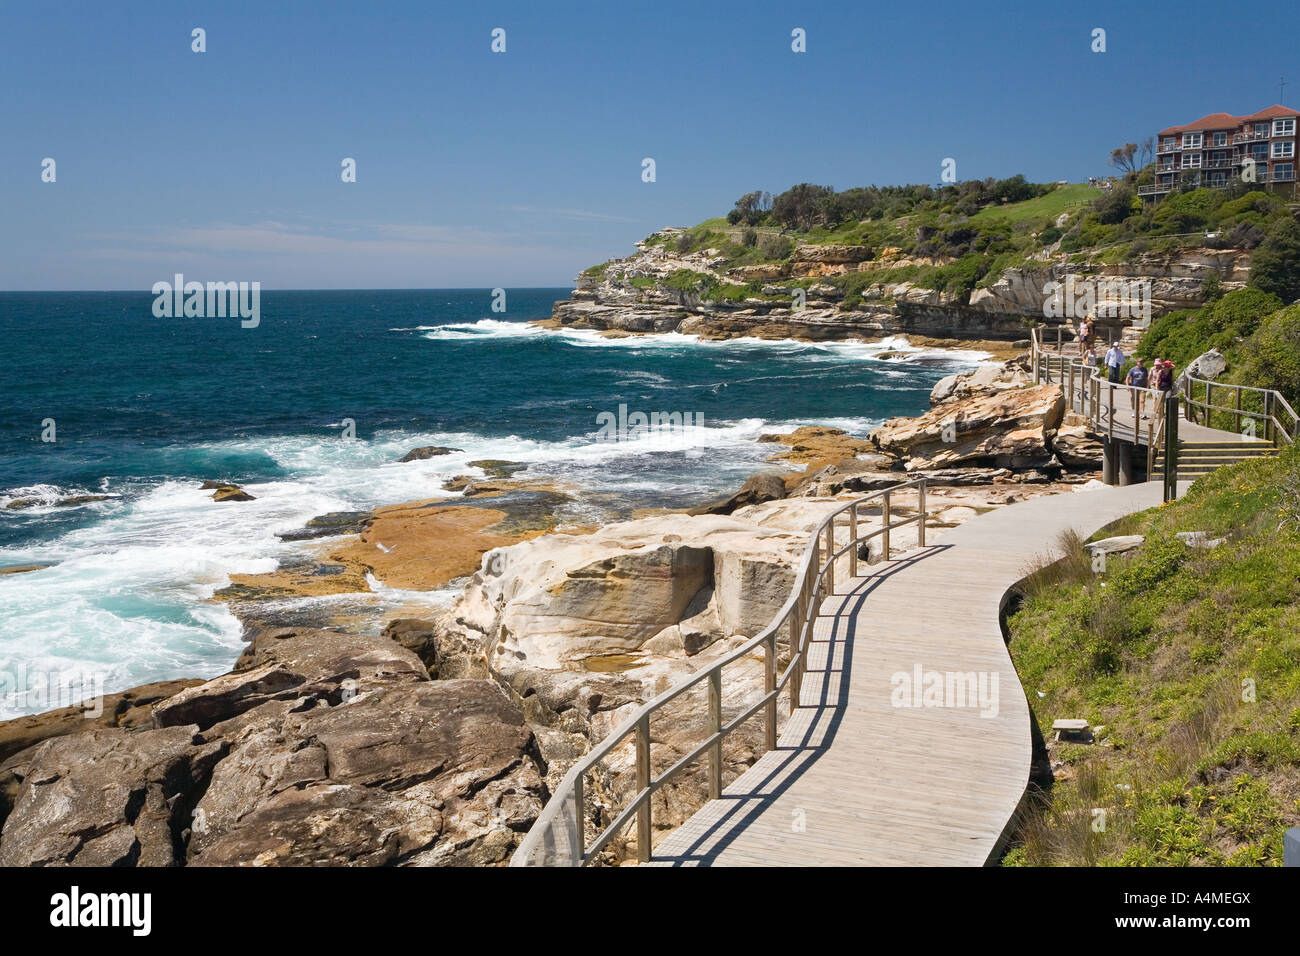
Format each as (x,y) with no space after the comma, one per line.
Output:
(438,740)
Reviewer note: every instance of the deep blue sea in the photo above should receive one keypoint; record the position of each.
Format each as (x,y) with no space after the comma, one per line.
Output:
(145,408)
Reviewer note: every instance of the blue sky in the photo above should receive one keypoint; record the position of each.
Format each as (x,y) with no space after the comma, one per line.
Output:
(477,169)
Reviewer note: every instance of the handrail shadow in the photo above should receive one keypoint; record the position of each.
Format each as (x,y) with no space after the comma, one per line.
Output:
(797,750)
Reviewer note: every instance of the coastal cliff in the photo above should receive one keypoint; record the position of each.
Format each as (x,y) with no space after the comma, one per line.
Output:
(830,291)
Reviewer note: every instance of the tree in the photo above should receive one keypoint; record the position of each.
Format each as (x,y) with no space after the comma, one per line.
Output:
(1275,263)
(802,206)
(750,208)
(1114,205)
(1122,158)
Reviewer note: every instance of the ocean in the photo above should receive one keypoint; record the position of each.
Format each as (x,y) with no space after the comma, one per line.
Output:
(309,411)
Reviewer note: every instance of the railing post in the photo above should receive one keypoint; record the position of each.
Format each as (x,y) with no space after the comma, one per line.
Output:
(853,540)
(830,553)
(796,635)
(886,514)
(1171,448)
(769,685)
(580,821)
(715,727)
(920,521)
(1110,409)
(643,784)
(1268,417)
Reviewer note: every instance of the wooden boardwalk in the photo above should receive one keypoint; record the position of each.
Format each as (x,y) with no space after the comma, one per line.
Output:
(856,780)
(1134,419)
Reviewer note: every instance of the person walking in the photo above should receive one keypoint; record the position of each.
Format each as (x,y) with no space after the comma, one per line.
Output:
(1114,362)
(1085,335)
(1164,383)
(1137,379)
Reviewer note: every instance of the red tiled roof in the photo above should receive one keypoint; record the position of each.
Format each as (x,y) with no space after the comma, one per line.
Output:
(1228,121)
(1271,112)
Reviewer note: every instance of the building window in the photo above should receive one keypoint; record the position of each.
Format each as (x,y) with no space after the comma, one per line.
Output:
(1167,145)
(1259,151)
(1220,139)
(1191,160)
(1261,130)
(1284,172)
(1284,127)
(1284,150)
(1191,141)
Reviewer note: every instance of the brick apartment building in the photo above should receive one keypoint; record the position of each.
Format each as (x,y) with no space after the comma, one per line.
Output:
(1216,149)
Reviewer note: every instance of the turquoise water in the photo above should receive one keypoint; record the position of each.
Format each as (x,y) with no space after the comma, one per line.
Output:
(143,409)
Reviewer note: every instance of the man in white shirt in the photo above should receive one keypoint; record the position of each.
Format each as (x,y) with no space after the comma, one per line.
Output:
(1114,362)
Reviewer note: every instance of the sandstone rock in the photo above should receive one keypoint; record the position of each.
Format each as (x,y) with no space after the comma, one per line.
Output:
(1208,365)
(67,502)
(818,445)
(231,493)
(426,452)
(988,378)
(1118,544)
(128,709)
(328,525)
(1007,429)
(431,773)
(24,568)
(418,636)
(304,667)
(105,798)
(496,468)
(1076,448)
(1199,539)
(764,486)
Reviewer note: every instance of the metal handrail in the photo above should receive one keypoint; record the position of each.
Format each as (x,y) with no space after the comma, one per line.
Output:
(558,837)
(1273,402)
(1102,416)
(1086,388)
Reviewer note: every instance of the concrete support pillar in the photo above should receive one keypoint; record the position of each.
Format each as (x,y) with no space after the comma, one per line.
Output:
(1124,451)
(1108,468)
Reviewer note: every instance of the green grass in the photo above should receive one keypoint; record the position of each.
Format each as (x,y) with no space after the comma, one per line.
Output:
(1190,659)
(1041,210)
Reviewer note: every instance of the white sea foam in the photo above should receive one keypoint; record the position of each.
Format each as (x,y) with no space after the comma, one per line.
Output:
(847,350)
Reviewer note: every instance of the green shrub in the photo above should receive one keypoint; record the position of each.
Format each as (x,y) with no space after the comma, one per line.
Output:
(1270,358)
(1275,265)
